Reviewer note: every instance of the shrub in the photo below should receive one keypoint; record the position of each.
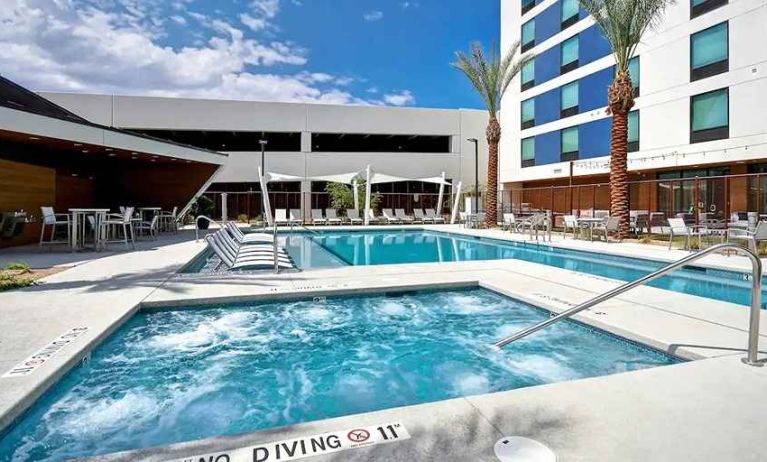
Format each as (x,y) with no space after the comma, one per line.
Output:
(243,218)
(18,266)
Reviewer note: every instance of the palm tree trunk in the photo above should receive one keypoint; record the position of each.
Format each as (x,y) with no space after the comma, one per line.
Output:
(493,133)
(620,98)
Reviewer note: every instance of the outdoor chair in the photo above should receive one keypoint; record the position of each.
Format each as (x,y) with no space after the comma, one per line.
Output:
(115,222)
(752,238)
(168,220)
(317,218)
(238,258)
(401,215)
(54,220)
(601,213)
(243,238)
(421,217)
(571,224)
(148,227)
(295,217)
(390,217)
(611,225)
(354,216)
(677,227)
(431,213)
(281,217)
(509,222)
(331,217)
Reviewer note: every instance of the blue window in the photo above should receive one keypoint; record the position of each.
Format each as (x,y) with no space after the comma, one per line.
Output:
(699,7)
(710,116)
(569,57)
(570,10)
(709,52)
(527,5)
(528,75)
(633,137)
(528,152)
(528,113)
(634,73)
(569,100)
(569,144)
(528,35)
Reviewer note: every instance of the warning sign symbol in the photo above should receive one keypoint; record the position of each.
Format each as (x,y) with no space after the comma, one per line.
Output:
(358,435)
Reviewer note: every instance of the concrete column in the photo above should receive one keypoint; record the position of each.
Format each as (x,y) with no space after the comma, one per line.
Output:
(224,208)
(306,142)
(306,203)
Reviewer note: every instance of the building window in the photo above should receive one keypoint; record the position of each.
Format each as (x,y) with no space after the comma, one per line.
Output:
(527,5)
(528,35)
(570,10)
(528,75)
(709,53)
(528,152)
(699,7)
(569,100)
(633,137)
(569,50)
(710,116)
(634,73)
(569,144)
(528,113)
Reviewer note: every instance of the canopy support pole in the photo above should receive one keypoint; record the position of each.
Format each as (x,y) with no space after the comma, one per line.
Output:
(455,203)
(439,197)
(356,195)
(367,195)
(265,198)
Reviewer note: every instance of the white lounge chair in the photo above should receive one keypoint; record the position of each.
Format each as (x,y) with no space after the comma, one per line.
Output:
(317,218)
(752,238)
(237,258)
(54,220)
(296,217)
(354,216)
(389,216)
(372,218)
(421,217)
(401,215)
(331,217)
(243,238)
(431,213)
(281,217)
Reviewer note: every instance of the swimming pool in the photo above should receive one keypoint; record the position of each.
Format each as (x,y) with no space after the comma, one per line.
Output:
(418,246)
(170,376)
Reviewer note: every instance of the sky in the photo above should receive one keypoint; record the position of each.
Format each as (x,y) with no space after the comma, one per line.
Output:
(372,52)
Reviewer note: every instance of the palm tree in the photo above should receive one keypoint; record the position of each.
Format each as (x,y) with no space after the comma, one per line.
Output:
(491,77)
(623,23)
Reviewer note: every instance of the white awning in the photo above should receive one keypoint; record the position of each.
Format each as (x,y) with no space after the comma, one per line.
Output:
(384,178)
(272,177)
(435,180)
(345,178)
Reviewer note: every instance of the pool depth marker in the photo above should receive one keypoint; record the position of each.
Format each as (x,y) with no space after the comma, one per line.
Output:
(30,364)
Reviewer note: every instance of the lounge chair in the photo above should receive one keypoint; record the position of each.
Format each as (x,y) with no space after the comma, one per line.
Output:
(354,216)
(390,217)
(752,238)
(401,215)
(331,217)
(431,213)
(317,218)
(281,217)
(261,257)
(243,238)
(421,217)
(372,218)
(295,217)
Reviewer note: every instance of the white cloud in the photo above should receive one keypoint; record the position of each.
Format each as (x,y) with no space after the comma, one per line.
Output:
(72,46)
(254,24)
(373,16)
(402,98)
(408,5)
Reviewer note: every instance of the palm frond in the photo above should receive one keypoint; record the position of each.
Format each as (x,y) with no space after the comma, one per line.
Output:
(490,75)
(624,22)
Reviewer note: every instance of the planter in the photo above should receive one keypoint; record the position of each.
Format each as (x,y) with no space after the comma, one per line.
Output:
(203,224)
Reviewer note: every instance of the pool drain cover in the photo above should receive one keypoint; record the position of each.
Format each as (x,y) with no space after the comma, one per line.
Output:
(521,449)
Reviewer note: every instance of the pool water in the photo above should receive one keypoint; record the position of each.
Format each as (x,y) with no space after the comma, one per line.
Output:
(172,376)
(391,247)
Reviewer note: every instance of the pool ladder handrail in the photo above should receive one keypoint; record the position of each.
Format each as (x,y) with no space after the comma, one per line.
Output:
(197,225)
(276,252)
(756,299)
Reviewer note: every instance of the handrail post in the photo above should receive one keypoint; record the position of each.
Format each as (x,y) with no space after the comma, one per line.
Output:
(276,254)
(756,299)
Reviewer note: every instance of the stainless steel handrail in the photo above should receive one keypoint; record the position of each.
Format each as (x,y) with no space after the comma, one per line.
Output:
(197,225)
(756,299)
(276,253)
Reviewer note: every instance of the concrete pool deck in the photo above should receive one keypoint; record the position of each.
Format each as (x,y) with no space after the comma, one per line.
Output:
(704,410)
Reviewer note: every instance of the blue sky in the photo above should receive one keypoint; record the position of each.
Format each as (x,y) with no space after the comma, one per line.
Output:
(393,52)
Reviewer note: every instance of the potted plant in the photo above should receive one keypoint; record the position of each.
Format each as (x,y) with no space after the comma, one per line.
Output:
(202,206)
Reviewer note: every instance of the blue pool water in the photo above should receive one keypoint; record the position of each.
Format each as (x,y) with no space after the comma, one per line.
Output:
(390,247)
(173,376)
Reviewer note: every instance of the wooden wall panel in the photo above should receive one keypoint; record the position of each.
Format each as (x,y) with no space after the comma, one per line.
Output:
(25,187)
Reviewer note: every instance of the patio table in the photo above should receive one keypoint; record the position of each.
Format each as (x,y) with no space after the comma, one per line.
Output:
(151,211)
(590,223)
(78,230)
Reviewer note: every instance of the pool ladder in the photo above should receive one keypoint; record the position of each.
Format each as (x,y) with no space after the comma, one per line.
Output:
(756,299)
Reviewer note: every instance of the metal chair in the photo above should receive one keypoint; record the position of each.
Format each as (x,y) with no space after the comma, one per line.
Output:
(115,222)
(611,225)
(54,220)
(752,238)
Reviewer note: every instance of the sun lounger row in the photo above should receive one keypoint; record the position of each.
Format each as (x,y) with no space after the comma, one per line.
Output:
(239,251)
(330,217)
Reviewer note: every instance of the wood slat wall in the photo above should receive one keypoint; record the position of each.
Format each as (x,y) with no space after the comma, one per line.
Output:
(25,187)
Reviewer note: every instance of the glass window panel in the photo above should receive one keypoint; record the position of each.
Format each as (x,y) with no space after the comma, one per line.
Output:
(709,46)
(570,95)
(633,126)
(570,50)
(527,2)
(528,149)
(569,9)
(570,139)
(634,71)
(528,110)
(528,71)
(528,32)
(698,2)
(710,110)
